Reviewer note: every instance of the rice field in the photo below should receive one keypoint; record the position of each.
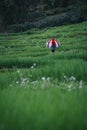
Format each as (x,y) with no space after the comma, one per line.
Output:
(41,90)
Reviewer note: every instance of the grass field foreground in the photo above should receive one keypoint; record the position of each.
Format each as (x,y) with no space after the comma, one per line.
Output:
(41,90)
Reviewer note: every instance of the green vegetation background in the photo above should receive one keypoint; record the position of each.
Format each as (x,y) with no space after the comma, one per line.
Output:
(20,15)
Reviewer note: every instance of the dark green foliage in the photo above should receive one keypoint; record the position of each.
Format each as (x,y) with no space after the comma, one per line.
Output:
(18,27)
(20,12)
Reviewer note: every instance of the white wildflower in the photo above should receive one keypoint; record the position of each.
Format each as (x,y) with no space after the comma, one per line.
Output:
(23,80)
(65,77)
(34,82)
(17,82)
(80,84)
(72,78)
(32,67)
(18,71)
(27,81)
(48,78)
(10,85)
(43,78)
(34,64)
(69,86)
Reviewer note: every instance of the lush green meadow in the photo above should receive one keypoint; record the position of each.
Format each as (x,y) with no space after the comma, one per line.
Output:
(41,90)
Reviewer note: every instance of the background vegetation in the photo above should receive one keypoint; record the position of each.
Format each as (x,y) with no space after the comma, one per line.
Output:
(20,15)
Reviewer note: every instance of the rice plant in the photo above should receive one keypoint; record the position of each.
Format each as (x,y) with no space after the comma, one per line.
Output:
(38,89)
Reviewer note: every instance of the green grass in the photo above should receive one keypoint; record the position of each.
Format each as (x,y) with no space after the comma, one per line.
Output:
(27,108)
(40,90)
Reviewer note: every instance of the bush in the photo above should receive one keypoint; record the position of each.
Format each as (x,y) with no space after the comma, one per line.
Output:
(34,16)
(56,20)
(19,27)
(83,12)
(71,14)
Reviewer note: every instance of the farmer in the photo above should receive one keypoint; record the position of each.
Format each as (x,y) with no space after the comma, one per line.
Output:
(53,44)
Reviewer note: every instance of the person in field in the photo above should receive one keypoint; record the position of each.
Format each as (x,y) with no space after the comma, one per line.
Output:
(53,44)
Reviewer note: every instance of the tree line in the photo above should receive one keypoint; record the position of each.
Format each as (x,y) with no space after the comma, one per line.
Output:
(16,11)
